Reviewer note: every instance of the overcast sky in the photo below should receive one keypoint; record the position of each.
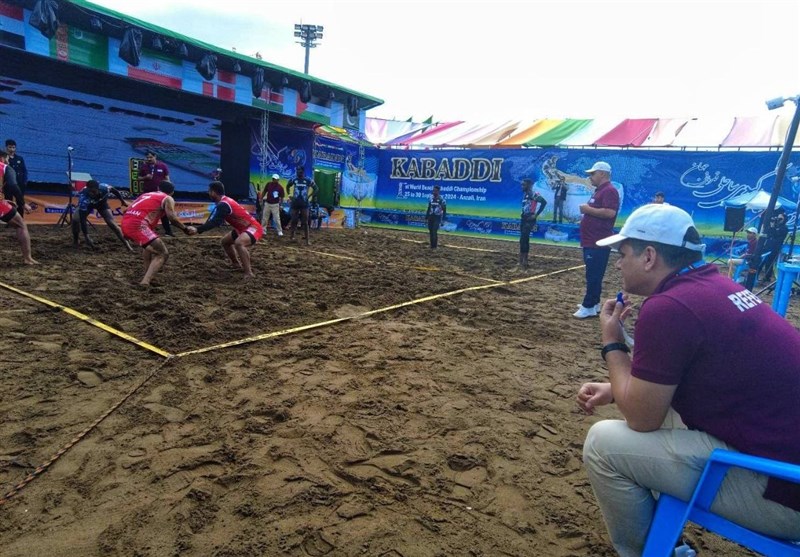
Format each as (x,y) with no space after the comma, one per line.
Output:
(496,60)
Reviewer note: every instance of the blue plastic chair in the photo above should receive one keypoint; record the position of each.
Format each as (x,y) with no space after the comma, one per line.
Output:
(672,514)
(745,265)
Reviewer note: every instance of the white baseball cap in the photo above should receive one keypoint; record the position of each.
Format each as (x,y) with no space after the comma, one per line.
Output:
(752,230)
(599,165)
(664,224)
(276,177)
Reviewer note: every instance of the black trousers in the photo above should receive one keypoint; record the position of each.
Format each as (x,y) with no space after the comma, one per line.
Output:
(525,228)
(434,222)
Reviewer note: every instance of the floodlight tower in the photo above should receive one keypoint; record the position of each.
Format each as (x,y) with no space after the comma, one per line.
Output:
(308,34)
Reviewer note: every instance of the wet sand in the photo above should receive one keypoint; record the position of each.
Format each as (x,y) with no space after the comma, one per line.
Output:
(446,427)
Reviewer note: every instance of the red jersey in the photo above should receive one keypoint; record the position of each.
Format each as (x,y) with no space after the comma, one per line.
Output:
(239,218)
(148,208)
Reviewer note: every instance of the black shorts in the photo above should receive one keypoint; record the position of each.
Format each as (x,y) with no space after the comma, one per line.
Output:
(299,204)
(235,235)
(10,215)
(100,206)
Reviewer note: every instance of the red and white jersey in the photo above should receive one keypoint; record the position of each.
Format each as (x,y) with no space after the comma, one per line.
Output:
(148,208)
(239,218)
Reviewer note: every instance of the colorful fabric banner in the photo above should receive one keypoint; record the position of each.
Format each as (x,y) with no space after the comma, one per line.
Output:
(559,133)
(154,67)
(631,132)
(80,47)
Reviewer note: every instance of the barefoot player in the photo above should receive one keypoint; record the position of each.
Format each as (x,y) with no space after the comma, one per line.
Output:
(246,230)
(140,220)
(94,197)
(10,216)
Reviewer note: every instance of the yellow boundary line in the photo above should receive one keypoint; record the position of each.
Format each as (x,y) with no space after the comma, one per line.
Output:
(484,249)
(415,267)
(42,468)
(90,320)
(450,245)
(302,328)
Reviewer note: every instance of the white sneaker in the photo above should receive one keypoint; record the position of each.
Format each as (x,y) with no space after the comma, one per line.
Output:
(280,233)
(583,312)
(596,307)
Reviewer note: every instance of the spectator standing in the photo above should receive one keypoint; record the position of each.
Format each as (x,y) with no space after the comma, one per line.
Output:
(559,198)
(597,222)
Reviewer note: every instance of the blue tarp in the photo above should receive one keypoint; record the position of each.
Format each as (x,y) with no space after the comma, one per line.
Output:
(758,200)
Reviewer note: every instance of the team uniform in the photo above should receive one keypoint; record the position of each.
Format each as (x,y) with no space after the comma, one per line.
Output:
(300,192)
(437,209)
(242,222)
(140,220)
(7,211)
(11,192)
(87,203)
(532,206)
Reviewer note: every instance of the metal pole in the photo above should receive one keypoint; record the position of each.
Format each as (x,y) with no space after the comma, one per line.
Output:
(776,191)
(794,226)
(783,163)
(308,49)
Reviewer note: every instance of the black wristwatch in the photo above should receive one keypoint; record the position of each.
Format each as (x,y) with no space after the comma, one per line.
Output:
(614,346)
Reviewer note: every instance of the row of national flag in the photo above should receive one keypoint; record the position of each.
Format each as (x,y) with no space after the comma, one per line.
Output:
(100,52)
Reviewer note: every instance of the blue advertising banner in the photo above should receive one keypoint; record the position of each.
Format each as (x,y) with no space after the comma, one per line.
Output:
(286,149)
(334,154)
(482,187)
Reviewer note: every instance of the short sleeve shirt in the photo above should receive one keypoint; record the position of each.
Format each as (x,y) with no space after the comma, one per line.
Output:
(735,361)
(594,228)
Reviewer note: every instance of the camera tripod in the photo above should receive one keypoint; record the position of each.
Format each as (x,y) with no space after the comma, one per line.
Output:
(66,216)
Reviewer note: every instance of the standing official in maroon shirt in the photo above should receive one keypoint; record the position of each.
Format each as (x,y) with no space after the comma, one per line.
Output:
(597,223)
(152,174)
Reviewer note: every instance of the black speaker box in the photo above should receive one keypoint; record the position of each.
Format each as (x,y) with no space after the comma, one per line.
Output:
(734,219)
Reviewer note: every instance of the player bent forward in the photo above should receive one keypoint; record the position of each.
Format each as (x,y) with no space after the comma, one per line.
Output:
(140,220)
(246,229)
(94,197)
(10,216)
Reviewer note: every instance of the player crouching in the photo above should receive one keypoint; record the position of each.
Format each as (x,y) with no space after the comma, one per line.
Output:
(246,229)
